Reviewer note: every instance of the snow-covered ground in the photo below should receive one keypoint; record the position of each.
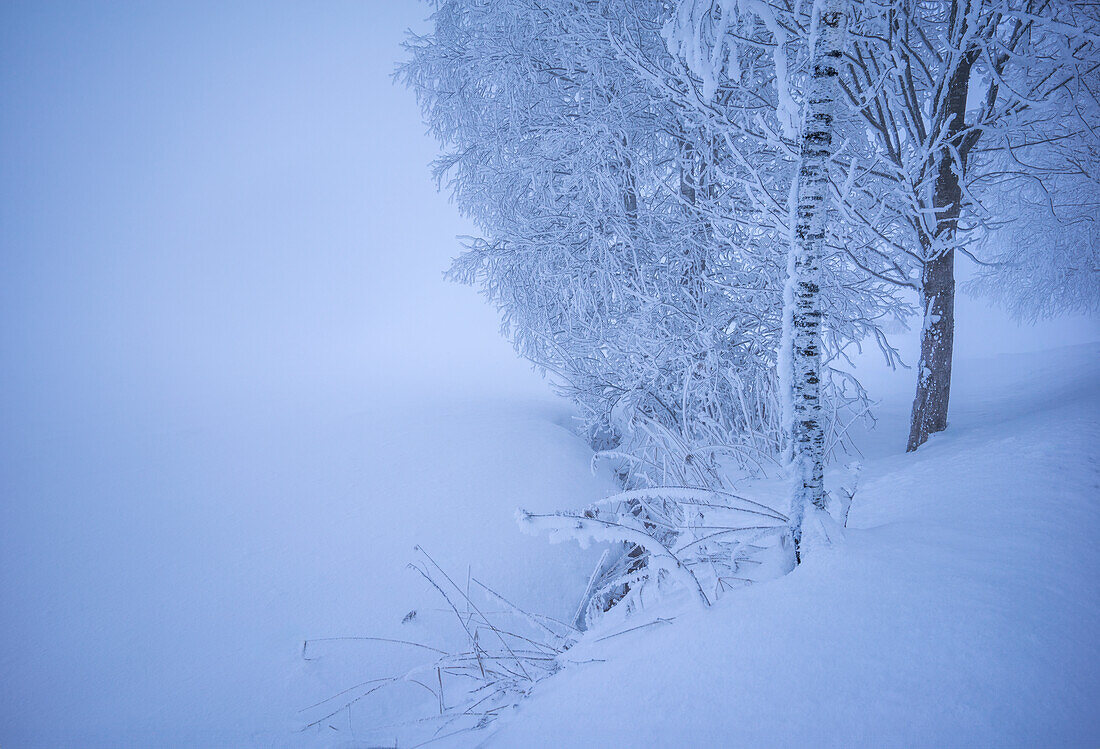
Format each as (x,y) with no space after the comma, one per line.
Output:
(235,392)
(158,584)
(960,609)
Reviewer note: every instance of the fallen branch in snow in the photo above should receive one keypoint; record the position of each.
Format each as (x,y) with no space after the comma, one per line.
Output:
(655,622)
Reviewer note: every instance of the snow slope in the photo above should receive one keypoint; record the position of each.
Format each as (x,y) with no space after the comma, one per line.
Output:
(960,610)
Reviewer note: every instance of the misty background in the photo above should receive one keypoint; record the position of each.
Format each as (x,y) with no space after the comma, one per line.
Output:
(217,222)
(225,202)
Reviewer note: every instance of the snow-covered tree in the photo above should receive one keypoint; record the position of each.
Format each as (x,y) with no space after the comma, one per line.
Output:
(976,135)
(1041,251)
(979,139)
(800,353)
(632,239)
(619,238)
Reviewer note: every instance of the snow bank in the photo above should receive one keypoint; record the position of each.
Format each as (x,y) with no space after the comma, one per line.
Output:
(960,610)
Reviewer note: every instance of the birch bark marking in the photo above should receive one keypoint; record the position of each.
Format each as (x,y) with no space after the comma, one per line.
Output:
(800,354)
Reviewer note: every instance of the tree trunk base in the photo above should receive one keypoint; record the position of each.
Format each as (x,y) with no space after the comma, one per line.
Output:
(937,343)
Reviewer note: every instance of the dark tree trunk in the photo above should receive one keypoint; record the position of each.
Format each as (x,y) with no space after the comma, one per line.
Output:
(938,277)
(937,341)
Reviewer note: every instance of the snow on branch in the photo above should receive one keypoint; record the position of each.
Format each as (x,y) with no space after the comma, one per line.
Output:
(697,539)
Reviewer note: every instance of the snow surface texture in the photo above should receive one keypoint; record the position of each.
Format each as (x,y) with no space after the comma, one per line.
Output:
(234,392)
(959,610)
(158,587)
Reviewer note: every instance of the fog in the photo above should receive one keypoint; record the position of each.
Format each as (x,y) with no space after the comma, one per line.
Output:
(213,208)
(211,202)
(222,256)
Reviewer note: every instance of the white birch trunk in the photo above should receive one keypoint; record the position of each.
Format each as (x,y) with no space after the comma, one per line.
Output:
(800,353)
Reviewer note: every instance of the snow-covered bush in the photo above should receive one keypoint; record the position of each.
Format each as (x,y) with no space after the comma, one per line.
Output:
(697,541)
